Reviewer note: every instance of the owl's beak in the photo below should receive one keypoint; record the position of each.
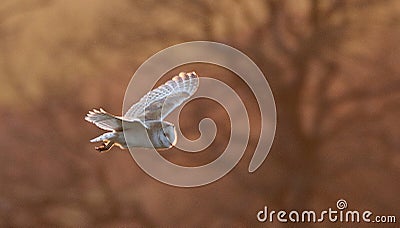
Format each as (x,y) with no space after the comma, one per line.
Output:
(173,142)
(171,138)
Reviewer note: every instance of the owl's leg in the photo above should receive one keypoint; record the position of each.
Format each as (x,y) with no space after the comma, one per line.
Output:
(105,146)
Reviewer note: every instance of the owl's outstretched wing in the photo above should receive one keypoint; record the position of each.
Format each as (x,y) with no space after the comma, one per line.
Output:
(104,120)
(160,102)
(109,122)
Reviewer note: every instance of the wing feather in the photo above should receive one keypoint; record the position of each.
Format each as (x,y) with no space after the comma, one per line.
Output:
(104,120)
(160,102)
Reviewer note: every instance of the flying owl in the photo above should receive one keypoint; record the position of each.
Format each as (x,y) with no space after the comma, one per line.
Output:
(144,122)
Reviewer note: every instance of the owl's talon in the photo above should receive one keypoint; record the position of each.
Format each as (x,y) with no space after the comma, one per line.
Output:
(100,148)
(104,146)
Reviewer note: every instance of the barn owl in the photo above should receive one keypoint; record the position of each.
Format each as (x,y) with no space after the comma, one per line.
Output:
(144,122)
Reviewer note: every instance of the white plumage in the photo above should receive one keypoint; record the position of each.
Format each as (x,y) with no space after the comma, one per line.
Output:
(144,121)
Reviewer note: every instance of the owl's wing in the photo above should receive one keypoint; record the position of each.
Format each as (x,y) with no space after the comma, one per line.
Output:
(104,120)
(109,122)
(160,102)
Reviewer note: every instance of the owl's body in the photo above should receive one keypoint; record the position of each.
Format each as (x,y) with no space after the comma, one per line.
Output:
(141,137)
(143,126)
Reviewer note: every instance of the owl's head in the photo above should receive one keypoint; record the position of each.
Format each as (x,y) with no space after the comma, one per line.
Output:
(170,133)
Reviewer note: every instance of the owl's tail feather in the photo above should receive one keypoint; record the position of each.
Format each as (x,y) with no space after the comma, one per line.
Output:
(107,139)
(103,137)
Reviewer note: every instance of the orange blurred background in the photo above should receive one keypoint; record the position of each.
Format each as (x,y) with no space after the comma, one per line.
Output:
(332,66)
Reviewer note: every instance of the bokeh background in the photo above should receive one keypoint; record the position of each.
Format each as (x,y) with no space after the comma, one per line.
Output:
(333,67)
